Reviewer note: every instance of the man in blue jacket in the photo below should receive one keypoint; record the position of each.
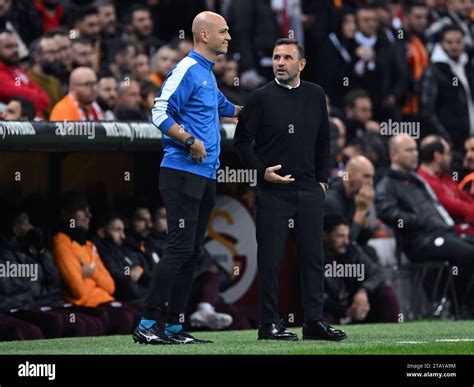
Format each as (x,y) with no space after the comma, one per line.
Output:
(187,112)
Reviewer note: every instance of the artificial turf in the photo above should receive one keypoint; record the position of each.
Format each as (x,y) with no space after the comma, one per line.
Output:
(423,337)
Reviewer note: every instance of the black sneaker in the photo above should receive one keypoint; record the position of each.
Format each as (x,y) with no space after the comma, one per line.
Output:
(321,330)
(185,338)
(153,335)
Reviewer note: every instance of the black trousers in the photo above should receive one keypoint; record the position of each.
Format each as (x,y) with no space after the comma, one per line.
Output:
(189,200)
(278,212)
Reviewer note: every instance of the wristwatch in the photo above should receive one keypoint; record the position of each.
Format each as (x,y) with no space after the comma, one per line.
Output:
(188,143)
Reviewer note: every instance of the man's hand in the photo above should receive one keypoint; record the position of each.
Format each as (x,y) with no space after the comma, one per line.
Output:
(88,270)
(365,197)
(360,306)
(198,151)
(272,177)
(372,127)
(136,272)
(323,186)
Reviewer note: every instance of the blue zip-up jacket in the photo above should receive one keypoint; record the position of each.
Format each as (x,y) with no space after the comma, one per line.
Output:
(190,97)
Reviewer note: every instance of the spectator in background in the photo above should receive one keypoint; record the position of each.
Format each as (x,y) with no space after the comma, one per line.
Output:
(52,12)
(139,30)
(64,47)
(467,183)
(148,93)
(45,70)
(129,100)
(352,196)
(358,111)
(435,168)
(108,20)
(128,270)
(447,105)
(438,10)
(379,68)
(182,47)
(19,109)
(405,202)
(86,281)
(255,30)
(416,55)
(353,299)
(107,96)
(80,104)
(122,60)
(23,21)
(141,68)
(14,80)
(82,52)
(458,15)
(337,58)
(229,83)
(162,63)
(87,27)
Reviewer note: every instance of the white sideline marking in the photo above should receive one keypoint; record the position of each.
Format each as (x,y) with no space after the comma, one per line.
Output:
(436,340)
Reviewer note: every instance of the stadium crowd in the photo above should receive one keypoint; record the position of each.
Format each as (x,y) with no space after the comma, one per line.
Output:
(399,79)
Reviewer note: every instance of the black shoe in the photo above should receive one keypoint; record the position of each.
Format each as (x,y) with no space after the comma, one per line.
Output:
(185,338)
(322,331)
(276,331)
(153,335)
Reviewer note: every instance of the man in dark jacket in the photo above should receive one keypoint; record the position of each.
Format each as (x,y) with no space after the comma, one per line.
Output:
(354,286)
(447,106)
(405,202)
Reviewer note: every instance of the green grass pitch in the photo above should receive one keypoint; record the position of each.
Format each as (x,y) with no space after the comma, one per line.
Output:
(425,337)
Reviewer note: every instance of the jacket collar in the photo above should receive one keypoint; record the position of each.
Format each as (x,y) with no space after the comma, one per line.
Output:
(200,59)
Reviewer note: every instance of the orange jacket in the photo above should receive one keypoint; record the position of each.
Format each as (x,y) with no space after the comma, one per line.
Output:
(69,257)
(67,109)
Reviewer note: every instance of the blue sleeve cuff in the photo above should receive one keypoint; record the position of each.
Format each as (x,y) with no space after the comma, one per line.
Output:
(229,110)
(166,124)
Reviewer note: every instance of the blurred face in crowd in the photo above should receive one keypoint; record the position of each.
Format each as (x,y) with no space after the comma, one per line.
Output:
(417,20)
(360,172)
(124,58)
(219,66)
(165,59)
(453,44)
(107,91)
(445,158)
(83,85)
(160,222)
(9,53)
(115,230)
(141,222)
(231,73)
(469,156)
(22,225)
(141,67)
(461,7)
(404,153)
(64,46)
(82,218)
(4,6)
(83,54)
(184,47)
(384,16)
(48,57)
(338,239)
(129,95)
(348,27)
(362,110)
(141,24)
(13,112)
(367,22)
(287,64)
(107,19)
(89,27)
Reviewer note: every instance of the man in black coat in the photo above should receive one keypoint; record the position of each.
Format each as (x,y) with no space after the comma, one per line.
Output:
(447,105)
(405,202)
(287,120)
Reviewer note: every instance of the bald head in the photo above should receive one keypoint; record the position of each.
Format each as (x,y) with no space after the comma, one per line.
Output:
(403,153)
(83,85)
(359,171)
(210,34)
